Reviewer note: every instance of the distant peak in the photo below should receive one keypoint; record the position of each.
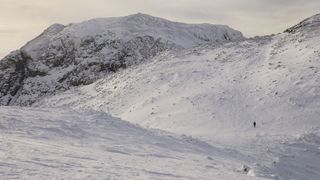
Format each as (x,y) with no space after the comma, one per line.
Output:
(144,18)
(309,23)
(140,15)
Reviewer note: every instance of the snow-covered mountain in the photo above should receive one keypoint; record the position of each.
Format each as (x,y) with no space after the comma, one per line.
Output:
(215,93)
(271,79)
(78,54)
(201,94)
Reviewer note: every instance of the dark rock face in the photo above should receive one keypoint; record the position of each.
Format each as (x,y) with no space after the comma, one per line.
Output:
(24,80)
(13,71)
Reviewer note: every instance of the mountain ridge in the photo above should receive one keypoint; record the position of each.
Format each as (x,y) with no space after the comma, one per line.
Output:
(312,22)
(78,54)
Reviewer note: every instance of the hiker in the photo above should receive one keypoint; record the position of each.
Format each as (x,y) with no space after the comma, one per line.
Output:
(254,124)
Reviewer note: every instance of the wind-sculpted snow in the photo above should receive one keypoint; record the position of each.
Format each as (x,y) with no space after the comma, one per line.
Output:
(63,144)
(78,54)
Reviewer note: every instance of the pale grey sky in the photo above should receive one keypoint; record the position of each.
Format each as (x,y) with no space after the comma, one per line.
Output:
(22,20)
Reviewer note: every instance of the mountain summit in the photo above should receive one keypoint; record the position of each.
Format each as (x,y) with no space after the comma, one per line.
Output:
(78,54)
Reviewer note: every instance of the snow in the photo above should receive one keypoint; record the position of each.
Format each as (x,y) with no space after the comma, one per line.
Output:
(185,35)
(184,114)
(63,144)
(128,27)
(37,46)
(87,51)
(308,24)
(215,93)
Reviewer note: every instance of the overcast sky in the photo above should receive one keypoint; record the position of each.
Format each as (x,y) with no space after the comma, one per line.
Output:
(22,20)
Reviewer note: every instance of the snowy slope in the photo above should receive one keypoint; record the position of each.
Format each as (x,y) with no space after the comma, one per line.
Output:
(62,144)
(78,54)
(215,92)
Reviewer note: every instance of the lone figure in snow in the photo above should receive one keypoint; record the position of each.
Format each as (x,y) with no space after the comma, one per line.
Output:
(254,124)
